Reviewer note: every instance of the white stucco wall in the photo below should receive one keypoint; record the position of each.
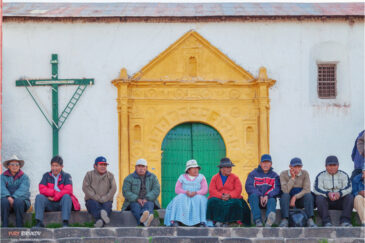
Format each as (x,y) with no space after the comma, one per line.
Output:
(300,124)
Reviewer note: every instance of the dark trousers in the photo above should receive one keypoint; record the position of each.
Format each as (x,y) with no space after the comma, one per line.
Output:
(137,209)
(254,201)
(355,172)
(305,202)
(346,204)
(42,204)
(94,208)
(19,207)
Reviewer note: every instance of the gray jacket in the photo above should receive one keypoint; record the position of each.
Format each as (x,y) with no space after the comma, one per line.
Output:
(98,187)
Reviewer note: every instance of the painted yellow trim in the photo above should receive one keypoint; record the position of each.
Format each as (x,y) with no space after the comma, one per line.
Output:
(158,98)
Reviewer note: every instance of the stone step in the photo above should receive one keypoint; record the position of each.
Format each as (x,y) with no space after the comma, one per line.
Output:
(72,234)
(126,218)
(178,239)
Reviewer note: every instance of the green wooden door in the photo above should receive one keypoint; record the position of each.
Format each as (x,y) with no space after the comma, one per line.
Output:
(189,141)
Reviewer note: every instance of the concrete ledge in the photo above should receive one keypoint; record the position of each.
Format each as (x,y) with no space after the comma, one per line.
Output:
(126,218)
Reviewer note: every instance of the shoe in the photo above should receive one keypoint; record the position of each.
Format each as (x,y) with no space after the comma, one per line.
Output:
(175,224)
(65,223)
(346,224)
(328,224)
(99,223)
(144,216)
(148,222)
(39,224)
(270,219)
(284,223)
(202,225)
(104,216)
(310,223)
(218,224)
(258,223)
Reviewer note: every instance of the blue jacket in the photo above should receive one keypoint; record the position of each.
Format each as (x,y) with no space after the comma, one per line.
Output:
(263,184)
(357,184)
(356,156)
(15,186)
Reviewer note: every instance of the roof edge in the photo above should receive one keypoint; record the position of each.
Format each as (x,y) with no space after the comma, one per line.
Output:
(173,19)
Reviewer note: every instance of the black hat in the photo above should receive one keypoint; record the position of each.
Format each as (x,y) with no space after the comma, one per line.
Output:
(225,162)
(57,159)
(331,160)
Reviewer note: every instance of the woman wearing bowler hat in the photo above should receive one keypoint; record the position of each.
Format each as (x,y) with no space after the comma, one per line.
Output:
(14,191)
(225,203)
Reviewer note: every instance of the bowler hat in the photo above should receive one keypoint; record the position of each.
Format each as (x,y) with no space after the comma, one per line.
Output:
(225,162)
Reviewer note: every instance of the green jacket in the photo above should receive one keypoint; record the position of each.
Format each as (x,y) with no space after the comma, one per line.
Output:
(132,186)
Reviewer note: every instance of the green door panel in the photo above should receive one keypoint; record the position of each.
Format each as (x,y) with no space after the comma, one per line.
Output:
(189,141)
(208,149)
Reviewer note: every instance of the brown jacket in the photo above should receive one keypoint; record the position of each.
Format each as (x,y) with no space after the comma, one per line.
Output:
(301,181)
(98,187)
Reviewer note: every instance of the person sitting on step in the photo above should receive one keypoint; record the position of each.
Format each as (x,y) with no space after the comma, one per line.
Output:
(225,202)
(263,186)
(296,192)
(333,191)
(190,205)
(55,193)
(99,187)
(141,190)
(358,190)
(14,191)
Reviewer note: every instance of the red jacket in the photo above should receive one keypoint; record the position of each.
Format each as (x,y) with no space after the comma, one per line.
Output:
(46,188)
(232,186)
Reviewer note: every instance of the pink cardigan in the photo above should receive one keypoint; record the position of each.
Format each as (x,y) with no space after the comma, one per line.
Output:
(203,190)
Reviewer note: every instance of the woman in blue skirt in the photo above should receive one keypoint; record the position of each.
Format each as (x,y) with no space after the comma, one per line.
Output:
(190,205)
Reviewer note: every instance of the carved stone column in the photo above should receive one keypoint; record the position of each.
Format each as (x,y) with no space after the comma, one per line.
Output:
(123,131)
(264,83)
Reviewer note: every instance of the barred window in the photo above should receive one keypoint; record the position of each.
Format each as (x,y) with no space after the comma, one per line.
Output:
(326,86)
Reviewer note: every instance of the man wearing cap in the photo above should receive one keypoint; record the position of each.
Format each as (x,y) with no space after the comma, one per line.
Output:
(99,187)
(333,191)
(358,190)
(225,202)
(140,190)
(263,186)
(14,191)
(296,187)
(55,193)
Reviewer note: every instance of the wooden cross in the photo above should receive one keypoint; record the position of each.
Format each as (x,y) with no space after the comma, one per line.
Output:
(57,120)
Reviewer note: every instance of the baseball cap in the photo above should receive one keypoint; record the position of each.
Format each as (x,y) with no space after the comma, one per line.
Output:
(141,162)
(266,157)
(100,159)
(332,160)
(296,162)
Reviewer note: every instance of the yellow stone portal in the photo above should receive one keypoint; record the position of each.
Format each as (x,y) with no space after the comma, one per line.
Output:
(192,81)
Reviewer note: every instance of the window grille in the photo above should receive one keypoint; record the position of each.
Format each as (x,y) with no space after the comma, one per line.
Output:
(327,81)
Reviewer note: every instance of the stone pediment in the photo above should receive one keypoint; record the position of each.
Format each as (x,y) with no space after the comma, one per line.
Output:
(192,58)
